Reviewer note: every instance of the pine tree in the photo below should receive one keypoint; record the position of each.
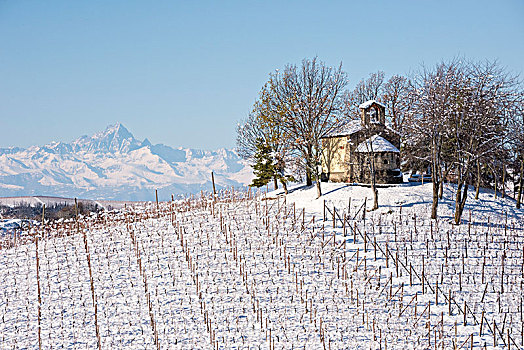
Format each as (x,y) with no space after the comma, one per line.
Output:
(264,169)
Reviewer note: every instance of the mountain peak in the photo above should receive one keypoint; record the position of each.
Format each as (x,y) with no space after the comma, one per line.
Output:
(115,130)
(146,142)
(115,138)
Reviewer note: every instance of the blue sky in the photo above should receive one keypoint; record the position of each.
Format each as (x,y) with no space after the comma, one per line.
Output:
(184,73)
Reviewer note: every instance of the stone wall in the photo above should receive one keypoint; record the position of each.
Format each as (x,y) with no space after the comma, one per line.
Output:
(386,168)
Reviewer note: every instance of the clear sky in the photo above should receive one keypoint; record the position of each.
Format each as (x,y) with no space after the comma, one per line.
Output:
(184,73)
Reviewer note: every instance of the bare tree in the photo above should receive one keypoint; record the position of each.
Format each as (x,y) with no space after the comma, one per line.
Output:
(479,121)
(516,143)
(395,96)
(432,96)
(310,99)
(248,131)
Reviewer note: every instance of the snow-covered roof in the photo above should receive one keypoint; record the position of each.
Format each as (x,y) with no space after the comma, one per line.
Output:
(369,103)
(377,144)
(347,129)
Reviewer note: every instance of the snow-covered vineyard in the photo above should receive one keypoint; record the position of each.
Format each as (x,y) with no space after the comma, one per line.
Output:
(272,273)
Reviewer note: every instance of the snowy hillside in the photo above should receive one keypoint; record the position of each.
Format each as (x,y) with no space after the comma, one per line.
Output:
(271,272)
(114,165)
(413,197)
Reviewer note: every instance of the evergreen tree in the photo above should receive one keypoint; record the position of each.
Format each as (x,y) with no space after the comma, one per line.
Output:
(263,169)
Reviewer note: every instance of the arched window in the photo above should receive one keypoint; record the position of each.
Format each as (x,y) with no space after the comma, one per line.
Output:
(373,115)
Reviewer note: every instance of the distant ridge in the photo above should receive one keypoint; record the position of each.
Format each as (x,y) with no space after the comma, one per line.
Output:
(49,201)
(114,165)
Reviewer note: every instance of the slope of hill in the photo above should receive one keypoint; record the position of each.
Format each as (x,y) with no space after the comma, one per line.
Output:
(271,272)
(114,165)
(415,198)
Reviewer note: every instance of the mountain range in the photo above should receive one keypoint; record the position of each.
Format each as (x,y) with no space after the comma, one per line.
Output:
(114,165)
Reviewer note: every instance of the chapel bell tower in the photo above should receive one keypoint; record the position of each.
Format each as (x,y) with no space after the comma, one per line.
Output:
(372,112)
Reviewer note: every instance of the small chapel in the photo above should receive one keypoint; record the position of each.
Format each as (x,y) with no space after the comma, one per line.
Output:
(347,152)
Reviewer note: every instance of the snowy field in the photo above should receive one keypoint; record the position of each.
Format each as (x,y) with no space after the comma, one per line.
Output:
(272,273)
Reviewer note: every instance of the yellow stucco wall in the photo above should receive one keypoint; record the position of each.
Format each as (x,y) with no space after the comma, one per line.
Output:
(333,154)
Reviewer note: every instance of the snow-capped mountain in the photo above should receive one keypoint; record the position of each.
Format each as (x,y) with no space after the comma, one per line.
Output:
(112,164)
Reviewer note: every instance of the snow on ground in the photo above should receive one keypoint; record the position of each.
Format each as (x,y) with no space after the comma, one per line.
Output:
(271,273)
(414,197)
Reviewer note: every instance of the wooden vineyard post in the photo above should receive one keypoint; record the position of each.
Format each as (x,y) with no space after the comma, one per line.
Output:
(334,216)
(43,220)
(494,333)
(422,274)
(214,189)
(465,313)
(387,255)
(483,265)
(481,323)
(76,216)
(93,297)
(396,262)
(502,275)
(157,207)
(172,203)
(436,292)
(39,295)
(429,329)
(294,215)
(449,300)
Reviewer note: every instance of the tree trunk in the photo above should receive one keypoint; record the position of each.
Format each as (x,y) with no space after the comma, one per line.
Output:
(308,176)
(460,201)
(440,184)
(503,180)
(435,180)
(434,206)
(275,182)
(309,166)
(319,190)
(496,183)
(478,180)
(521,182)
(373,183)
(458,197)
(464,196)
(442,181)
(284,186)
(436,186)
(317,178)
(375,198)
